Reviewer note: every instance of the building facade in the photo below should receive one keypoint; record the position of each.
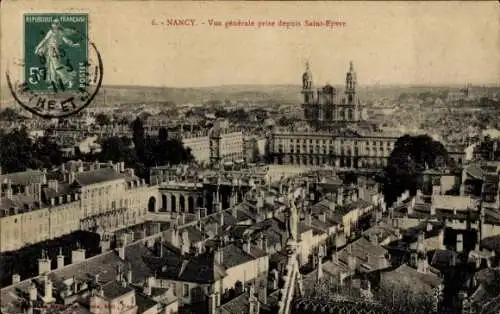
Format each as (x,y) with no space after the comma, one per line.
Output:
(97,199)
(337,133)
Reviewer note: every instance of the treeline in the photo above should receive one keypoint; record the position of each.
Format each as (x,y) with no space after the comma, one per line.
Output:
(20,152)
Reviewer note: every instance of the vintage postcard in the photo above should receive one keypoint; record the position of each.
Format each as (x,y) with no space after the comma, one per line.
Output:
(161,157)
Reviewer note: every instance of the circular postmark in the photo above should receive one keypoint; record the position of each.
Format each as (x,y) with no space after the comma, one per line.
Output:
(62,71)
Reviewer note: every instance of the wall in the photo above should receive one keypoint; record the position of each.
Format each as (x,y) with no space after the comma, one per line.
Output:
(245,272)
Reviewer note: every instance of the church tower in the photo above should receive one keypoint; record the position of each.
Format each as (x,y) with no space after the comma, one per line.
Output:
(350,85)
(309,105)
(307,85)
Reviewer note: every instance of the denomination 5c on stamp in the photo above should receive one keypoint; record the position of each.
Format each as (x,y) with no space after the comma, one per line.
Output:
(61,70)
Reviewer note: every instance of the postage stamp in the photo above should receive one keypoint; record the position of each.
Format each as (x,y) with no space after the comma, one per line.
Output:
(55,51)
(61,71)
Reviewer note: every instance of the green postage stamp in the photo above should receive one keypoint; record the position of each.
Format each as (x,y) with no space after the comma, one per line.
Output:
(56,52)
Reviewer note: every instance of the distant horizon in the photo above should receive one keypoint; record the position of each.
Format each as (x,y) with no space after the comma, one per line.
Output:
(249,85)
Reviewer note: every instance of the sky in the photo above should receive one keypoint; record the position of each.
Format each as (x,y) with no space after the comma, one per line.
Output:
(390,43)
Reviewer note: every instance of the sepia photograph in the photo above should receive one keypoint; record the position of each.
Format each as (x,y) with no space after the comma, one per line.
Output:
(246,157)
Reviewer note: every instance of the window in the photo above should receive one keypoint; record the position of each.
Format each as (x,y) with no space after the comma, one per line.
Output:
(185,290)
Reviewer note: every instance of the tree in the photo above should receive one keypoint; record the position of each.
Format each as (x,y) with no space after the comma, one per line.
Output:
(410,157)
(19,152)
(9,114)
(138,137)
(102,119)
(117,149)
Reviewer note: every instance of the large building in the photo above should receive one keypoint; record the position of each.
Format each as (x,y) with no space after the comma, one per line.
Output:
(102,197)
(337,133)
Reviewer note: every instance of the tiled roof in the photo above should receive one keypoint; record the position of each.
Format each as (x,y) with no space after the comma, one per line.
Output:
(407,277)
(442,258)
(17,201)
(238,305)
(382,231)
(234,255)
(144,303)
(98,176)
(23,178)
(105,265)
(475,171)
(429,228)
(62,189)
(114,289)
(451,202)
(194,234)
(362,248)
(352,206)
(200,269)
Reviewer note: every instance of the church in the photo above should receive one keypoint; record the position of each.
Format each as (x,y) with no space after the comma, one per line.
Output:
(324,105)
(337,132)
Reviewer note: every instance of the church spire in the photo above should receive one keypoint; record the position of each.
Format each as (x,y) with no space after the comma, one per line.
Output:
(350,84)
(307,77)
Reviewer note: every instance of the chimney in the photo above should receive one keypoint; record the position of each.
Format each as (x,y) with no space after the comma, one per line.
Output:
(129,274)
(335,258)
(260,202)
(105,245)
(47,285)
(75,285)
(185,243)
(247,245)
(33,292)
(16,278)
(77,256)
(71,177)
(265,245)
(54,185)
(43,264)
(460,242)
(331,205)
(197,213)
(322,217)
(8,190)
(212,303)
(147,288)
(181,219)
(175,240)
(308,218)
(119,273)
(367,258)
(121,252)
(221,218)
(219,256)
(252,301)
(397,233)
(428,227)
(275,281)
(340,196)
(260,241)
(60,259)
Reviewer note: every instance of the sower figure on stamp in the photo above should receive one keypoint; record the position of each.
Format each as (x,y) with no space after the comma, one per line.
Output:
(49,47)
